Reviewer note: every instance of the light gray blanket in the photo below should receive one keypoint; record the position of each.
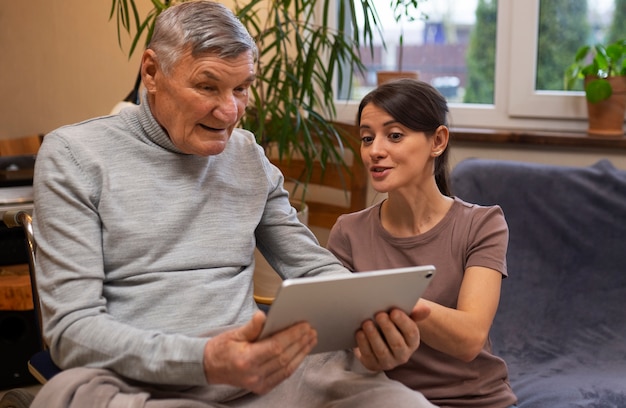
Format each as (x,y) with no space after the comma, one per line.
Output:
(336,380)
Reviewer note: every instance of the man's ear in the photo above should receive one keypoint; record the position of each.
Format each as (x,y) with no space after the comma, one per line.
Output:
(439,141)
(149,70)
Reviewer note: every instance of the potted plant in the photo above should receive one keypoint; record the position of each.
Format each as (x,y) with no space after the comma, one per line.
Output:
(403,10)
(292,105)
(292,108)
(602,68)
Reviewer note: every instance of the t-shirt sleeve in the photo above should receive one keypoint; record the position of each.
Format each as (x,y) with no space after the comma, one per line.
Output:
(339,244)
(488,240)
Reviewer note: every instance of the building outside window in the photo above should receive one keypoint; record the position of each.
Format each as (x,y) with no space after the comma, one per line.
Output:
(499,63)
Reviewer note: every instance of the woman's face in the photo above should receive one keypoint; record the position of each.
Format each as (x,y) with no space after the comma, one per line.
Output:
(396,157)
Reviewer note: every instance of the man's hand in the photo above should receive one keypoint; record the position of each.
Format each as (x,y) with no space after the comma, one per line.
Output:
(236,358)
(390,339)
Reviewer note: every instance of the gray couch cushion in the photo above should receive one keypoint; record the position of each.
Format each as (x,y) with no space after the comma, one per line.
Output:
(561,324)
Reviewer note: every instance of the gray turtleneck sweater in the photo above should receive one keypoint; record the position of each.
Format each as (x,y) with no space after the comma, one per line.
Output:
(142,249)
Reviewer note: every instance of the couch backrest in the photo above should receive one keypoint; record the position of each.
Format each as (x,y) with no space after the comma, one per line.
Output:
(566,256)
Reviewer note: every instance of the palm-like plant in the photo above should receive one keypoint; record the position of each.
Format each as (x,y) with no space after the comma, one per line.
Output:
(404,10)
(302,52)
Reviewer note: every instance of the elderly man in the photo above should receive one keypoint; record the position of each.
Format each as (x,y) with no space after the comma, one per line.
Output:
(146,223)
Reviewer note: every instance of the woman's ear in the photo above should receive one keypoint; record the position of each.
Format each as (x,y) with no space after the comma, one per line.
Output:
(149,70)
(439,141)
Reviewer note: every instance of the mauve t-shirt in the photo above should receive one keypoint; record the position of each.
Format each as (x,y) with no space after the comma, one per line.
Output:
(468,235)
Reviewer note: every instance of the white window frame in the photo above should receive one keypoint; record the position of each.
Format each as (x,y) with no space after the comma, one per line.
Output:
(516,103)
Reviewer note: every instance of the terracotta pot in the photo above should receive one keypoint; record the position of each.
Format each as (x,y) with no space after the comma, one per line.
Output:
(386,76)
(606,118)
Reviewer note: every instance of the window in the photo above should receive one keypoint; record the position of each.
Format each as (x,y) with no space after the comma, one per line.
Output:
(528,96)
(439,40)
(521,97)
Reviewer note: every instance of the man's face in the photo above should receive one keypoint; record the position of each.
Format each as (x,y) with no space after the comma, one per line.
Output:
(201,100)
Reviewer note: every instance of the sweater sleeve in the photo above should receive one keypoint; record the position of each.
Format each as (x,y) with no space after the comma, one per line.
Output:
(288,245)
(71,276)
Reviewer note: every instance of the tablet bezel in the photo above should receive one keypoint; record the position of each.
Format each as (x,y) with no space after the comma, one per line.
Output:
(336,305)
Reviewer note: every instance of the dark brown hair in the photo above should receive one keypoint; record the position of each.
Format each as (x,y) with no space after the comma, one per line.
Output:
(418,106)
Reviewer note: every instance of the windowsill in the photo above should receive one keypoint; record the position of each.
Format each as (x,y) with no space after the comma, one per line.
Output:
(536,138)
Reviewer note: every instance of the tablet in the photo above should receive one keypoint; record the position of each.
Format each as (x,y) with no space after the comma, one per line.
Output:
(337,305)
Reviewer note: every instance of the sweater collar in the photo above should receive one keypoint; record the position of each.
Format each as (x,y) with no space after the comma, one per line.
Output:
(142,120)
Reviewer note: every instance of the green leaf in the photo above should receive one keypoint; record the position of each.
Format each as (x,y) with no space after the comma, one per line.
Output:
(598,90)
(582,52)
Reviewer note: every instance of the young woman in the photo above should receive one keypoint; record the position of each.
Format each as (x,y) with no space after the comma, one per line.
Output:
(404,145)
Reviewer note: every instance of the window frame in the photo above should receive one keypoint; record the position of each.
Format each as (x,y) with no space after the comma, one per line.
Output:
(516,103)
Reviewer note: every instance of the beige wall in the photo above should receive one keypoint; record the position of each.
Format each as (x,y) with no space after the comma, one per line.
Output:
(60,62)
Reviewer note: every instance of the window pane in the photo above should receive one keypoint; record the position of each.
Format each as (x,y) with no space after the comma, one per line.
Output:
(566,25)
(451,44)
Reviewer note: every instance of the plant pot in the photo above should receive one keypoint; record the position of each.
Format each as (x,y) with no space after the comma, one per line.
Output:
(266,279)
(606,118)
(386,76)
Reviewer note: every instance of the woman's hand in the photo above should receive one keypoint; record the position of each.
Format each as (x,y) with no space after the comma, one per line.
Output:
(390,339)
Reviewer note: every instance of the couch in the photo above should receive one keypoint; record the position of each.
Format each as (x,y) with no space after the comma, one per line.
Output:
(561,323)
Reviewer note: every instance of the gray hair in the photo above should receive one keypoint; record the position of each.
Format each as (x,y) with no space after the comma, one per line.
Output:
(202,27)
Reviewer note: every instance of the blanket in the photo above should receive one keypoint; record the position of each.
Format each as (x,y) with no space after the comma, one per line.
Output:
(333,379)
